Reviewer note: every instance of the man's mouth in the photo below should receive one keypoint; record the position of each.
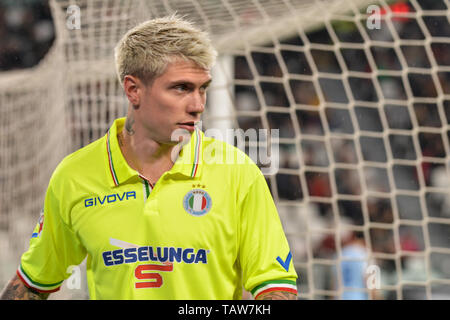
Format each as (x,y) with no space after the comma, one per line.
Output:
(189,125)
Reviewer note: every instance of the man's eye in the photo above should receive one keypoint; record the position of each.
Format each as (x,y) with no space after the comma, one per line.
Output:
(181,88)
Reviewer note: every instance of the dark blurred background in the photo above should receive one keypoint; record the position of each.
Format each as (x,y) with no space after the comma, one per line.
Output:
(26,33)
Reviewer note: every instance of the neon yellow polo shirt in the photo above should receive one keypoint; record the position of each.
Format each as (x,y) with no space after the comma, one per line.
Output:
(208,227)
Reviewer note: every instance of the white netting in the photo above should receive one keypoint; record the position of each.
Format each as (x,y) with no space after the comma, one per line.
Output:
(363,116)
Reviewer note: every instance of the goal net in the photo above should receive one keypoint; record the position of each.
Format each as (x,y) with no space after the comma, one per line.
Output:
(358,90)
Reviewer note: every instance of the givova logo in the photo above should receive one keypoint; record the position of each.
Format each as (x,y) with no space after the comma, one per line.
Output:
(90,202)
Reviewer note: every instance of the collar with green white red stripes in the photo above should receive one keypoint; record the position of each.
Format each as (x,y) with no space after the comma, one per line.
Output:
(187,164)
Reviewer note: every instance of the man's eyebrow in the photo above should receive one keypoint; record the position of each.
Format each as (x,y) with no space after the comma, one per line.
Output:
(207,83)
(188,82)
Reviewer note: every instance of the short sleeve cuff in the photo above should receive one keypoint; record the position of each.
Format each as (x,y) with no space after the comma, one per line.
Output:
(275,285)
(39,287)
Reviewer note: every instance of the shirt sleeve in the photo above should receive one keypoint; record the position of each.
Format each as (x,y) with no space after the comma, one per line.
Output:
(265,257)
(53,247)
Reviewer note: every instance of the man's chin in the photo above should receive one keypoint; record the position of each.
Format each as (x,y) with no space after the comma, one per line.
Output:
(180,135)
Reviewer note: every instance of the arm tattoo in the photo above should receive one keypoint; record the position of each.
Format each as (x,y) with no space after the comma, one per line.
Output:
(16,290)
(129,125)
(277,295)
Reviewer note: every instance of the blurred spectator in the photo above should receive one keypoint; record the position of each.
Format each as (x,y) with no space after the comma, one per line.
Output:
(26,33)
(354,257)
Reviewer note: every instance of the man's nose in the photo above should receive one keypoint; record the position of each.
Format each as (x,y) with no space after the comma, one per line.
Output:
(197,103)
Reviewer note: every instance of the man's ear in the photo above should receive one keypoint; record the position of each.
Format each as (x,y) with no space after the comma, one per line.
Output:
(132,87)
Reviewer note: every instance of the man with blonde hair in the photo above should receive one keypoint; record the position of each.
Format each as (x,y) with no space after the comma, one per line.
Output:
(154,219)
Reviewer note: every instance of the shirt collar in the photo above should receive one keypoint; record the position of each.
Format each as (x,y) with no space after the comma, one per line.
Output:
(188,162)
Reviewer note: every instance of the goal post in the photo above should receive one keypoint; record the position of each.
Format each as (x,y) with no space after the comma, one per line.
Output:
(359,91)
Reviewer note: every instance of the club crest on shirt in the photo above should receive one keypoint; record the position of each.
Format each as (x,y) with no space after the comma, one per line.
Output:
(197,202)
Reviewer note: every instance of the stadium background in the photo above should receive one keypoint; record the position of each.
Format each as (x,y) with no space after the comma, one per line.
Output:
(363,117)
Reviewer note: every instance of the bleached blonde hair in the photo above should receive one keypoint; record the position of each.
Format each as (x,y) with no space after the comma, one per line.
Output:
(145,50)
